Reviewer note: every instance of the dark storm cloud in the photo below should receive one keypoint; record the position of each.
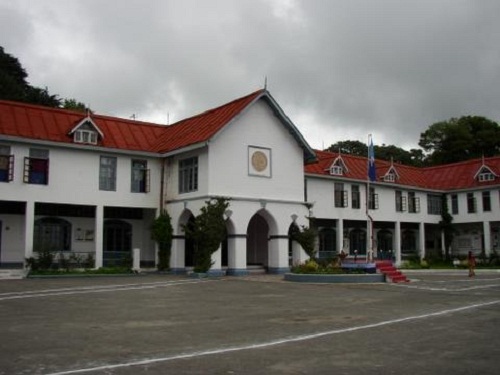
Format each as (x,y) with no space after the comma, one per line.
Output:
(340,69)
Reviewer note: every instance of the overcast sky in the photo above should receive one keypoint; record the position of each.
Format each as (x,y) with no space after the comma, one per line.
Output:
(339,69)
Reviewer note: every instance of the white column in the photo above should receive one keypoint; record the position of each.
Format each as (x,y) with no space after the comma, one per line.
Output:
(340,235)
(299,256)
(397,242)
(237,255)
(98,236)
(177,255)
(443,244)
(278,254)
(421,240)
(216,269)
(487,238)
(29,226)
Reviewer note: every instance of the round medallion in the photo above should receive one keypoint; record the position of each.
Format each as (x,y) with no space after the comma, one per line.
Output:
(259,161)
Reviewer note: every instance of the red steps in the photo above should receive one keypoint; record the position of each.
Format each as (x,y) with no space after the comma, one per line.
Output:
(387,268)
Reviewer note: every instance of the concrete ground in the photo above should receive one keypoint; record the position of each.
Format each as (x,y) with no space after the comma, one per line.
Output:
(440,323)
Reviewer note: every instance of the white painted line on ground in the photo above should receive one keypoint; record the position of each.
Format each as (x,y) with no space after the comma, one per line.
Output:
(443,289)
(96,289)
(274,342)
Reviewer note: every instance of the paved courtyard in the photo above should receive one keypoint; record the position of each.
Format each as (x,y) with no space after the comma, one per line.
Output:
(440,323)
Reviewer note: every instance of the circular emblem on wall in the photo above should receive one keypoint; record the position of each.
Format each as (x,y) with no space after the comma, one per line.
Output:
(259,161)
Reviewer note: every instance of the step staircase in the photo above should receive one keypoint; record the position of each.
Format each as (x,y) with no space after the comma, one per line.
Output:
(12,274)
(391,273)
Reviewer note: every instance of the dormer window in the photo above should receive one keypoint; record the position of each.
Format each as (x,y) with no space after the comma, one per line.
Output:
(390,177)
(338,167)
(336,170)
(86,132)
(486,176)
(85,136)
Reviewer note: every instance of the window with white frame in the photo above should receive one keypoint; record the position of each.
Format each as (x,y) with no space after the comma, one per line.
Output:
(6,164)
(413,203)
(86,133)
(340,195)
(140,176)
(454,204)
(355,197)
(486,176)
(471,203)
(486,201)
(434,204)
(107,173)
(400,201)
(188,175)
(372,199)
(36,167)
(336,170)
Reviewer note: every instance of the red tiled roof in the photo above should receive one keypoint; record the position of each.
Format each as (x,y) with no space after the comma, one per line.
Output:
(445,177)
(204,126)
(461,175)
(52,124)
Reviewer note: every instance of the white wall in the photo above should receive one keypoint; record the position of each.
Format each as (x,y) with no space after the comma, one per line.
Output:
(74,179)
(228,161)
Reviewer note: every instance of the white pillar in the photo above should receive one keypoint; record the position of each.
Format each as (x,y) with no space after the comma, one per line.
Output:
(177,255)
(29,226)
(237,255)
(216,269)
(136,260)
(298,254)
(99,236)
(340,235)
(487,237)
(397,242)
(421,240)
(278,254)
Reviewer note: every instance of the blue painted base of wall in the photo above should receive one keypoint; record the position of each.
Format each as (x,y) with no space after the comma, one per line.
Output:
(216,273)
(178,271)
(11,265)
(237,272)
(335,278)
(278,270)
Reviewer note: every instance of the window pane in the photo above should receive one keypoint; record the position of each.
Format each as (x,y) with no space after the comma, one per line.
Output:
(107,173)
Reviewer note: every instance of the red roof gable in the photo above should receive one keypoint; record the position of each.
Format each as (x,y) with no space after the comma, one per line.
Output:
(202,127)
(445,177)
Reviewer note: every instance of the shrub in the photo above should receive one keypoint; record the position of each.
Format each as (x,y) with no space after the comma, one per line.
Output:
(162,232)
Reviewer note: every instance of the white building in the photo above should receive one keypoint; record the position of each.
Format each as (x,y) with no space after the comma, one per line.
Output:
(90,184)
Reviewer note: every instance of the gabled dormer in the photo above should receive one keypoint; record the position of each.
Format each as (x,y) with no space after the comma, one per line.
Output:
(86,132)
(338,167)
(485,174)
(392,174)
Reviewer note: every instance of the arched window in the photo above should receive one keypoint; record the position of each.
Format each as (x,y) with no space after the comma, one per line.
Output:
(384,240)
(327,243)
(357,240)
(117,242)
(409,242)
(52,233)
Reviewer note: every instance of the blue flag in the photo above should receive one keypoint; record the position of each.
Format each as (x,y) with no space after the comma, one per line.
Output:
(372,173)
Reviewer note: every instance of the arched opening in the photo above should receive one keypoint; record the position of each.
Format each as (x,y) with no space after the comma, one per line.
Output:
(357,241)
(384,241)
(189,245)
(327,243)
(257,241)
(52,233)
(294,228)
(408,242)
(117,243)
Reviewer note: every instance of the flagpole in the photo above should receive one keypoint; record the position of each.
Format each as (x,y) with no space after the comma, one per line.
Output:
(369,220)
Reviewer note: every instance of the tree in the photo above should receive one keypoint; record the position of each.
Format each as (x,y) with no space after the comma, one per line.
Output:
(14,86)
(413,157)
(12,78)
(162,232)
(207,232)
(460,139)
(75,105)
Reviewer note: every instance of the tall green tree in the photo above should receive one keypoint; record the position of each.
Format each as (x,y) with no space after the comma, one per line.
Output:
(460,139)
(13,82)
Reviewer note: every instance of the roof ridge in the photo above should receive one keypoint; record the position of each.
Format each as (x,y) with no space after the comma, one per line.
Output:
(208,111)
(73,112)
